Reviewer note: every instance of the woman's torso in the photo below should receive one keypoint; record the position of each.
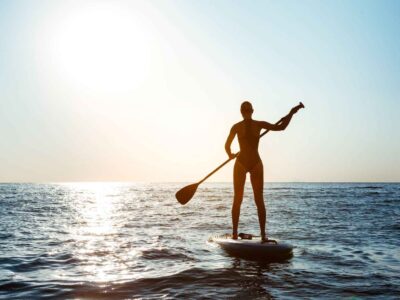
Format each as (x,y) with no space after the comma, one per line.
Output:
(248,132)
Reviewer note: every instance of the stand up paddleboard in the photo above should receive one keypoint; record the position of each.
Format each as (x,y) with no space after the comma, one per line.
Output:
(253,248)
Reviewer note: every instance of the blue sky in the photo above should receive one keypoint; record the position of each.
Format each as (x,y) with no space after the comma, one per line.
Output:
(74,106)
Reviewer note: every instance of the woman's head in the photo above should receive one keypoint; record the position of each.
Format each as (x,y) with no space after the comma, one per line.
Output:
(246,109)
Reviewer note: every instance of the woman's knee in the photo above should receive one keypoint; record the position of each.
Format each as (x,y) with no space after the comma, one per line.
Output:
(237,200)
(238,195)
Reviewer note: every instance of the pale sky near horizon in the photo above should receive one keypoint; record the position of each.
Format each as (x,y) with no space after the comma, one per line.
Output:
(148,90)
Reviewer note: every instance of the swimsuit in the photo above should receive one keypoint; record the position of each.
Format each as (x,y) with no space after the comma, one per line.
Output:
(248,155)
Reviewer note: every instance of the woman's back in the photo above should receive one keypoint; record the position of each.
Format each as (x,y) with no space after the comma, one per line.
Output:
(248,133)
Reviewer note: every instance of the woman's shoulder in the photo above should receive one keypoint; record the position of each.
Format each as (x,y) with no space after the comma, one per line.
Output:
(238,124)
(257,123)
(241,123)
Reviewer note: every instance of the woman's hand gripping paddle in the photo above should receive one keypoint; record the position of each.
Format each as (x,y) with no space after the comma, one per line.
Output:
(185,194)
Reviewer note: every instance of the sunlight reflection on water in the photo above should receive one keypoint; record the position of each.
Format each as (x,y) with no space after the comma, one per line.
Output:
(97,232)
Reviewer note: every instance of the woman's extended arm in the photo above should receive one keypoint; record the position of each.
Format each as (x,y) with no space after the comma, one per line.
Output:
(284,122)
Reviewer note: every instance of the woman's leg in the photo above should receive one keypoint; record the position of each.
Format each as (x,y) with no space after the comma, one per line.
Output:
(239,179)
(257,182)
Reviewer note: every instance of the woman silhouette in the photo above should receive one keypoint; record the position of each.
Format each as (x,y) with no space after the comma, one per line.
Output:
(248,161)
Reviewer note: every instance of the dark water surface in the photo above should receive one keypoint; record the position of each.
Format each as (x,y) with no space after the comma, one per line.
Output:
(126,241)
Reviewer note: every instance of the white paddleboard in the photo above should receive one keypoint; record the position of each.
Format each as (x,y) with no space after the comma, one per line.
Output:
(253,249)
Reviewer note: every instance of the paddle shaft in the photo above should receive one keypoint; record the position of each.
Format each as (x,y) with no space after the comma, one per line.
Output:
(229,159)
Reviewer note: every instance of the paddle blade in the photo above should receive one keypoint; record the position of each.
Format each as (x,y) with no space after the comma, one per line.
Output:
(185,194)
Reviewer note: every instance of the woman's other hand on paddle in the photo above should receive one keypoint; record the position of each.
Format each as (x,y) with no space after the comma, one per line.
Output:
(296,108)
(231,155)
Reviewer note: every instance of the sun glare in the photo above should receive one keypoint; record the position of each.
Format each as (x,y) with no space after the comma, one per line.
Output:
(102,47)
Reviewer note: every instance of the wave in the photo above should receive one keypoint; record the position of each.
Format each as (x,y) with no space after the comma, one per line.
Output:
(163,253)
(4,236)
(27,264)
(367,187)
(193,283)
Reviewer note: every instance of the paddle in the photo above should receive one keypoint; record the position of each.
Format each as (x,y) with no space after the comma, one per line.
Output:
(185,194)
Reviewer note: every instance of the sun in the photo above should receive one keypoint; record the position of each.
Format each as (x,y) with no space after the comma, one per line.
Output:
(103,47)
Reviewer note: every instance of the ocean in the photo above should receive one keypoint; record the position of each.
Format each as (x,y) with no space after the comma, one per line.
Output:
(134,240)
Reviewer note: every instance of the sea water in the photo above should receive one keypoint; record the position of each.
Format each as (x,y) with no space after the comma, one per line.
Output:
(134,240)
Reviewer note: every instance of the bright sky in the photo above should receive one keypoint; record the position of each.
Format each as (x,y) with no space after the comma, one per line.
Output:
(148,90)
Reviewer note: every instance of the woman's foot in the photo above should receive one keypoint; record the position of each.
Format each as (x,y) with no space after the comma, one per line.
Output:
(234,235)
(264,239)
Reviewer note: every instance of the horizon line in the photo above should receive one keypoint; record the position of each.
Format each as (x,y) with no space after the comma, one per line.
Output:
(177,182)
